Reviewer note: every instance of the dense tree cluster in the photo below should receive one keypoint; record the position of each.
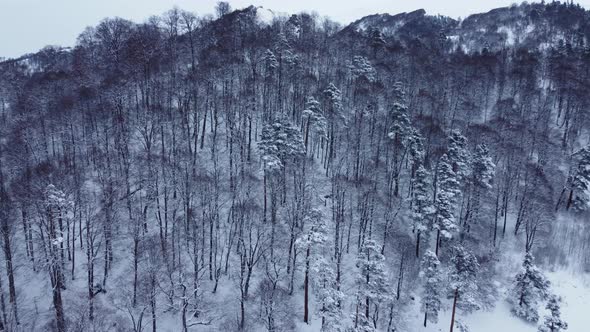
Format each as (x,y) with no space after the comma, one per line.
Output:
(239,174)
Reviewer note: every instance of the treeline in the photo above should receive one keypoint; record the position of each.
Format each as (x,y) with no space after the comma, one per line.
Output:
(232,173)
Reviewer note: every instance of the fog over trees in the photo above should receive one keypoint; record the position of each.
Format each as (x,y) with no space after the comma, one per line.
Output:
(249,171)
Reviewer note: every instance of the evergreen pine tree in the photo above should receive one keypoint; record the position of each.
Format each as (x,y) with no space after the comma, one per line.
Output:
(334,97)
(377,40)
(313,242)
(279,142)
(530,287)
(461,326)
(328,295)
(271,61)
(314,120)
(416,153)
(400,132)
(458,155)
(446,179)
(372,282)
(580,194)
(361,68)
(482,174)
(431,293)
(335,116)
(447,191)
(463,279)
(284,51)
(483,167)
(553,322)
(422,209)
(400,122)
(58,207)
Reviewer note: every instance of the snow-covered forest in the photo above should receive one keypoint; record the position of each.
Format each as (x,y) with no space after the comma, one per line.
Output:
(255,171)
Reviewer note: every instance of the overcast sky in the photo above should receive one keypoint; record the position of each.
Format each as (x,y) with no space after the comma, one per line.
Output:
(28,25)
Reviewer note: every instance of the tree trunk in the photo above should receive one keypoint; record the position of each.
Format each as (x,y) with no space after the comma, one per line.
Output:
(570,199)
(57,300)
(153,305)
(135,266)
(9,269)
(454,309)
(306,288)
(90,283)
(400,278)
(437,242)
(3,317)
(418,244)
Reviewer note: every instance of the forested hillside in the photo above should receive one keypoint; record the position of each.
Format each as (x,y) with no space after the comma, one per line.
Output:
(250,171)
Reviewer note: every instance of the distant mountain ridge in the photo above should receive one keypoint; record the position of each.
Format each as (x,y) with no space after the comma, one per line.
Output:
(534,25)
(537,26)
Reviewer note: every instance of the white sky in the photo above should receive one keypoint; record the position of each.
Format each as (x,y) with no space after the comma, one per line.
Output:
(28,25)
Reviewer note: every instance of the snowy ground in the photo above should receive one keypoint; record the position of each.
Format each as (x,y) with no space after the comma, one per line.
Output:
(567,278)
(574,290)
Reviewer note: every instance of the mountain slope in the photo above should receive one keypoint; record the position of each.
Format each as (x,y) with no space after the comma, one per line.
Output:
(256,171)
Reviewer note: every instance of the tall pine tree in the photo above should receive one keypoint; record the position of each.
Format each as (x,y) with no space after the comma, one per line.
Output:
(432,285)
(482,174)
(463,282)
(422,209)
(315,122)
(458,154)
(530,286)
(372,285)
(447,191)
